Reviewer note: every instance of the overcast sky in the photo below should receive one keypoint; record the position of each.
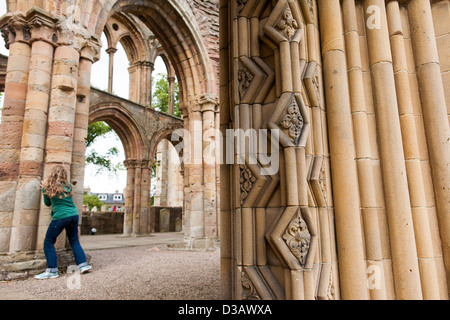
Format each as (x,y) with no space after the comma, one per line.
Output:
(107,183)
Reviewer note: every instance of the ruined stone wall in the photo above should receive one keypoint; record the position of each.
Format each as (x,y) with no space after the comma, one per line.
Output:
(207,16)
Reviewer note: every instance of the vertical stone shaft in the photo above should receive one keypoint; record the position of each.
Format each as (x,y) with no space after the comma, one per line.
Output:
(195,221)
(81,127)
(401,231)
(349,235)
(111,51)
(209,166)
(362,144)
(61,123)
(171,95)
(225,169)
(129,197)
(145,198)
(11,132)
(137,197)
(423,236)
(26,209)
(434,114)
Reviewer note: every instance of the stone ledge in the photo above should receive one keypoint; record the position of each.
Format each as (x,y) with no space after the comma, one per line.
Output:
(21,265)
(196,244)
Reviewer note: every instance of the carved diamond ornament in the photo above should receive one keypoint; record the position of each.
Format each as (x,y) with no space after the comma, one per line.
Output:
(248,289)
(283,24)
(290,117)
(245,77)
(293,121)
(246,181)
(293,238)
(298,238)
(287,25)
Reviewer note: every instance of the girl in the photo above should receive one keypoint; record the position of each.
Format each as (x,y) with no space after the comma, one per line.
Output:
(58,194)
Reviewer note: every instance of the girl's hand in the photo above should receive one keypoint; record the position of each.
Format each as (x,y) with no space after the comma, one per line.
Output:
(42,184)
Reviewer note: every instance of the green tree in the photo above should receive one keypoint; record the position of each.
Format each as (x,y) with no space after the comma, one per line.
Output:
(101,162)
(160,99)
(92,201)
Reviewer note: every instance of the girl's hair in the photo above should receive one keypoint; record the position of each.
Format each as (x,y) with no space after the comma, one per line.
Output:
(55,183)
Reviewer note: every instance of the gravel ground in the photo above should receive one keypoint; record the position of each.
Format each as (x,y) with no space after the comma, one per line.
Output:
(137,273)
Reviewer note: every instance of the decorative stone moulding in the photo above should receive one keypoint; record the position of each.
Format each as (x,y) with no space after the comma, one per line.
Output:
(318,182)
(284,24)
(290,117)
(312,85)
(256,185)
(259,283)
(293,238)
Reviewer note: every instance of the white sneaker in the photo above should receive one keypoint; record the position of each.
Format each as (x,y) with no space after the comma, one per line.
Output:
(85,268)
(46,275)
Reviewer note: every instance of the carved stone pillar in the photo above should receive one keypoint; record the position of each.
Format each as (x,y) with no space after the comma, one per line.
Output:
(27,204)
(147,69)
(210,140)
(111,51)
(12,29)
(171,81)
(129,198)
(194,223)
(271,99)
(435,114)
(89,54)
(401,231)
(61,121)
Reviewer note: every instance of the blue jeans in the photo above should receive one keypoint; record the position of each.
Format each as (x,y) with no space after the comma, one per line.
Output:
(53,231)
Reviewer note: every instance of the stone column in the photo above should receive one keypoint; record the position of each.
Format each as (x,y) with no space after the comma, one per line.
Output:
(162,174)
(129,197)
(147,68)
(401,231)
(89,54)
(364,154)
(145,222)
(171,81)
(137,198)
(434,114)
(28,195)
(194,223)
(208,107)
(420,213)
(111,51)
(134,73)
(11,127)
(349,237)
(61,122)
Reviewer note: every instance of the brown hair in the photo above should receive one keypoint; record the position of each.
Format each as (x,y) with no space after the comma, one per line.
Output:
(55,183)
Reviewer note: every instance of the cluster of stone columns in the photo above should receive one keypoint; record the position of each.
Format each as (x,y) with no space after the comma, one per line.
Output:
(374,53)
(383,121)
(44,121)
(137,198)
(200,171)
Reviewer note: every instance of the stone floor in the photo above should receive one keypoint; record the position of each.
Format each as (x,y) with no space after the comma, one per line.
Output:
(138,268)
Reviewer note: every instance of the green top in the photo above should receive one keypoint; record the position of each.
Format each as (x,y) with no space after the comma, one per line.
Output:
(61,208)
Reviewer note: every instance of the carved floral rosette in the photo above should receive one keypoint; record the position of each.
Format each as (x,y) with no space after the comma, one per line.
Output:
(298,238)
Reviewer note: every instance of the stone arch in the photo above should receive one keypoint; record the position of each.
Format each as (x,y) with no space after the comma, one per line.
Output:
(173,25)
(161,135)
(119,119)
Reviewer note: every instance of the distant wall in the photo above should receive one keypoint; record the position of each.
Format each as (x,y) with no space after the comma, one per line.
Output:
(112,222)
(104,222)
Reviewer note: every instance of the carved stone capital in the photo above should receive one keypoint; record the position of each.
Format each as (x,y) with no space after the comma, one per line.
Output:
(42,26)
(208,102)
(14,28)
(90,50)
